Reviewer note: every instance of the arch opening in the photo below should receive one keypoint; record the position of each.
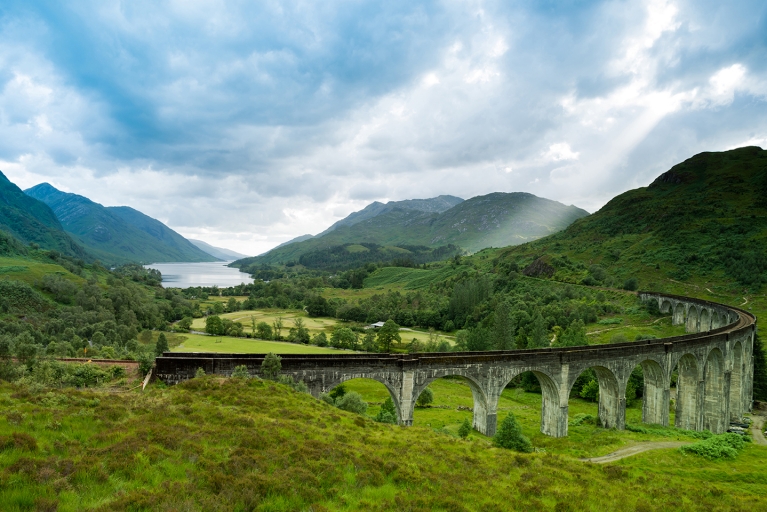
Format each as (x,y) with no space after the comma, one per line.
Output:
(705,321)
(714,403)
(665,306)
(450,389)
(611,408)
(736,383)
(716,321)
(374,393)
(520,391)
(686,413)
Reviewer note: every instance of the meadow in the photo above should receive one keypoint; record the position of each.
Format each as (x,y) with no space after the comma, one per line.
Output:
(227,344)
(236,444)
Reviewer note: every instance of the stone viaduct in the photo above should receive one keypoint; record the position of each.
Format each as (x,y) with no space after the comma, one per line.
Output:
(714,364)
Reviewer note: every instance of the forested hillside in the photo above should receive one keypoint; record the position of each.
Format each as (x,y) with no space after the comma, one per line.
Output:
(32,221)
(703,220)
(117,234)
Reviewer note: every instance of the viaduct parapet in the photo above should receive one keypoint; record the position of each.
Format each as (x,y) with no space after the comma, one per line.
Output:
(714,364)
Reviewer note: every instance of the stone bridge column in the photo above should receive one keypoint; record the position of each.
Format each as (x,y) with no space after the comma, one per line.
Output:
(725,421)
(554,406)
(485,413)
(406,399)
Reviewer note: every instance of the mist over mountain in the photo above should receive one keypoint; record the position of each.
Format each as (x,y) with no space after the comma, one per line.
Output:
(116,234)
(218,252)
(492,220)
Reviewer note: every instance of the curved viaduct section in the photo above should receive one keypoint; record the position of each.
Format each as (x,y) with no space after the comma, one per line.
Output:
(714,364)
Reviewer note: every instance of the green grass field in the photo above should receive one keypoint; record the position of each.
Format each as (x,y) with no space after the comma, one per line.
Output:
(234,444)
(226,344)
(32,271)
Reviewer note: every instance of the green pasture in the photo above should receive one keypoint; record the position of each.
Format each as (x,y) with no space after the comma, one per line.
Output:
(583,441)
(32,271)
(226,344)
(315,325)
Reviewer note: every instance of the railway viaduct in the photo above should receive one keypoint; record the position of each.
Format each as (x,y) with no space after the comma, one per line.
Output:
(714,364)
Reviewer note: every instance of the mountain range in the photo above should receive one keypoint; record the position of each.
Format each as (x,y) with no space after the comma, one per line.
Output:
(32,221)
(218,252)
(493,220)
(116,234)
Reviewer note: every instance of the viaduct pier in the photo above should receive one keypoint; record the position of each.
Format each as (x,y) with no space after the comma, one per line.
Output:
(714,362)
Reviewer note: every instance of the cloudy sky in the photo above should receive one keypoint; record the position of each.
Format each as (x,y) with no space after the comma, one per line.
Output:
(248,123)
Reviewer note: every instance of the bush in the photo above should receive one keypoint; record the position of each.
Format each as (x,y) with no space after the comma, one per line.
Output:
(162,345)
(590,391)
(352,402)
(145,363)
(241,372)
(425,398)
(199,373)
(337,392)
(631,284)
(271,366)
(723,446)
(465,429)
(387,414)
(582,418)
(510,436)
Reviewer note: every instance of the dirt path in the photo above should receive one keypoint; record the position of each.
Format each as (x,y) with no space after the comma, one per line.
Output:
(757,427)
(633,450)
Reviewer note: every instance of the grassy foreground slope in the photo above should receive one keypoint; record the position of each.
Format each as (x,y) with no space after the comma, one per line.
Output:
(215,444)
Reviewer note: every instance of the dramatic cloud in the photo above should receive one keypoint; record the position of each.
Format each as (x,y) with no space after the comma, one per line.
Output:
(247,124)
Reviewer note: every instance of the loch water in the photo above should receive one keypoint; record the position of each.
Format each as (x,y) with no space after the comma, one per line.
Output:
(184,275)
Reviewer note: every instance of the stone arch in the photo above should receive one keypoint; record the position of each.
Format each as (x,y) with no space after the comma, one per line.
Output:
(655,396)
(553,423)
(687,393)
(716,321)
(678,316)
(402,417)
(665,306)
(612,403)
(705,320)
(713,392)
(691,325)
(736,382)
(484,409)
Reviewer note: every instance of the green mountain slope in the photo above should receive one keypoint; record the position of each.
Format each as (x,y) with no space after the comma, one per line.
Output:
(117,234)
(217,252)
(437,204)
(497,219)
(32,221)
(704,219)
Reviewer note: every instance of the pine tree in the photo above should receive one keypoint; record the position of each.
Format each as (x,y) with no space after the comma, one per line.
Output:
(271,366)
(539,337)
(465,429)
(162,345)
(502,336)
(510,436)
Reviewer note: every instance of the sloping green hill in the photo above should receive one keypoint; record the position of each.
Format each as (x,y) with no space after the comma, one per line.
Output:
(117,234)
(32,221)
(497,219)
(704,219)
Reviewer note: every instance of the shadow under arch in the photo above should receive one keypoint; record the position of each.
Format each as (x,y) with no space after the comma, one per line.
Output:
(484,412)
(686,416)
(713,392)
(392,392)
(655,394)
(736,382)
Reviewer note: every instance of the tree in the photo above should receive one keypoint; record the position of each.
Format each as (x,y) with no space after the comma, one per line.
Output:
(199,373)
(465,429)
(232,305)
(277,328)
(145,363)
(510,436)
(388,334)
(539,336)
(425,398)
(352,402)
(337,392)
(502,335)
(343,337)
(162,345)
(263,331)
(185,323)
(299,333)
(590,391)
(369,342)
(320,339)
(573,336)
(387,413)
(241,372)
(271,366)
(214,325)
